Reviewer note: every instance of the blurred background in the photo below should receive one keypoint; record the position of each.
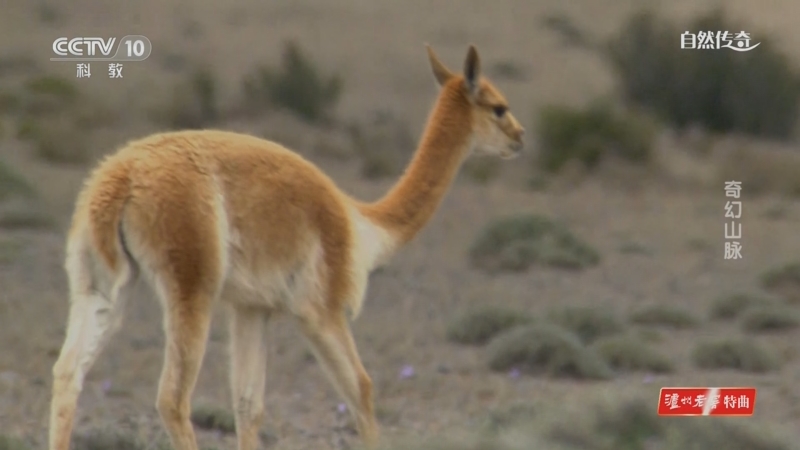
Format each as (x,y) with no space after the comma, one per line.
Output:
(549,299)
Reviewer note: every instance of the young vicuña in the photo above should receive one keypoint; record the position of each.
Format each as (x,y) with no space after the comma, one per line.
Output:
(207,215)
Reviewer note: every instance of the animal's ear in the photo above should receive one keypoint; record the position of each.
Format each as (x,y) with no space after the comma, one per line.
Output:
(440,71)
(472,69)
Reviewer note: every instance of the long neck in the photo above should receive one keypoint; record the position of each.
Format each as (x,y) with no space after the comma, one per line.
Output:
(411,203)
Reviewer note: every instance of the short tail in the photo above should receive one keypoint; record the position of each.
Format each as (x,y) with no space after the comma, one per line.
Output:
(106,196)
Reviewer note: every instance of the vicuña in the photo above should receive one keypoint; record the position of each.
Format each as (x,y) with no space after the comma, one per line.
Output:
(205,216)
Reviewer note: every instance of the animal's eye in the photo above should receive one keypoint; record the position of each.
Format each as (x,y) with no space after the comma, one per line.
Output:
(499,111)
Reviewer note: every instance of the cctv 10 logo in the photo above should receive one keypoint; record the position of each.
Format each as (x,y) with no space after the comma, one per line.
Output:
(129,48)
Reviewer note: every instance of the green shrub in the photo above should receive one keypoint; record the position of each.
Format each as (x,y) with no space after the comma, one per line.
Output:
(211,417)
(297,86)
(753,92)
(739,354)
(194,102)
(548,350)
(783,281)
(768,318)
(49,94)
(18,216)
(515,243)
(592,133)
(731,306)
(630,424)
(670,316)
(628,354)
(12,443)
(589,323)
(480,325)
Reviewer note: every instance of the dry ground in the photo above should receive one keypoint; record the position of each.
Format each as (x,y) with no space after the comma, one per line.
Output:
(377,47)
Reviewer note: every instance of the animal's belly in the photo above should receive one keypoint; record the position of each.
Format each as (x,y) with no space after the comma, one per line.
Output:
(271,288)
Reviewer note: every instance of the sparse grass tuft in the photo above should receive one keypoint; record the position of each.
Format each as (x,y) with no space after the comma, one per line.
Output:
(56,140)
(48,13)
(57,119)
(19,202)
(628,425)
(482,169)
(508,70)
(634,425)
(9,102)
(770,318)
(13,184)
(12,443)
(507,417)
(107,438)
(731,306)
(212,417)
(517,242)
(762,169)
(53,85)
(591,134)
(783,281)
(62,145)
(631,424)
(384,145)
(670,316)
(740,354)
(480,325)
(548,350)
(634,248)
(297,85)
(628,353)
(727,434)
(471,442)
(589,323)
(9,252)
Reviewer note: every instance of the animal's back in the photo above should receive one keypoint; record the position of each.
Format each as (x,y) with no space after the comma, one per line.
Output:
(201,205)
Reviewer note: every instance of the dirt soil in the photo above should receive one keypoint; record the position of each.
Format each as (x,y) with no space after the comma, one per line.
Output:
(377,47)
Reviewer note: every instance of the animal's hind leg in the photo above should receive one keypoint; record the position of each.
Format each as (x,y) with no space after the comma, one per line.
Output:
(93,319)
(186,324)
(332,343)
(248,372)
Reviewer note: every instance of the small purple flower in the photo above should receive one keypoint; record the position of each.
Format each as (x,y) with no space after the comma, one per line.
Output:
(406,372)
(105,386)
(341,407)
(514,373)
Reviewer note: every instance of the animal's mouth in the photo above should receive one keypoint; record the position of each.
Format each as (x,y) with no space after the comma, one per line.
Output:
(513,151)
